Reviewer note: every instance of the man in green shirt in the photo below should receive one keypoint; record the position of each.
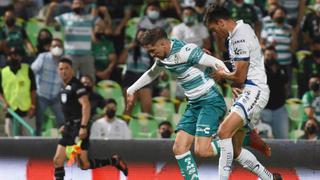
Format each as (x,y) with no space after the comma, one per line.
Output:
(311,99)
(103,53)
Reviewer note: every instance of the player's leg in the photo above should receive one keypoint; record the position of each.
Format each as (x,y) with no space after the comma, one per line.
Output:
(145,97)
(226,130)
(211,112)
(58,162)
(186,162)
(186,130)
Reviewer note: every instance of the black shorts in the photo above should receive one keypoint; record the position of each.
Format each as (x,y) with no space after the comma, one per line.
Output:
(69,135)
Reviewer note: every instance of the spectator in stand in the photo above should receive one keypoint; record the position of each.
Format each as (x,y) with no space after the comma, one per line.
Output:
(311,99)
(138,61)
(44,41)
(110,127)
(281,35)
(311,24)
(78,28)
(295,11)
(153,18)
(246,12)
(53,9)
(18,90)
(96,101)
(104,54)
(311,130)
(268,18)
(275,113)
(120,13)
(309,66)
(165,130)
(49,84)
(14,36)
(191,30)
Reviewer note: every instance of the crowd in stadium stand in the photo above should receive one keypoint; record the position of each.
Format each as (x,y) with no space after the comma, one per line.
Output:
(100,38)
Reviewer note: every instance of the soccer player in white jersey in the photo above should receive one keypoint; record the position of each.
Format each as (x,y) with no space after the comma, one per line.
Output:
(249,73)
(206,106)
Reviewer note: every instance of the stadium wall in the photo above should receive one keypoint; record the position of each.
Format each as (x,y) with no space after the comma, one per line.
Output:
(284,153)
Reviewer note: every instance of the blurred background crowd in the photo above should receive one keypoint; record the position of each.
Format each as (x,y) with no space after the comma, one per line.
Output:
(100,37)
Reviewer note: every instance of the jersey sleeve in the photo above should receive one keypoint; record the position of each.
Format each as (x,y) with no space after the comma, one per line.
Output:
(241,48)
(306,100)
(79,90)
(191,53)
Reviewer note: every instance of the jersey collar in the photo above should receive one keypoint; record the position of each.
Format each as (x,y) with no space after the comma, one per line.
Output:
(239,23)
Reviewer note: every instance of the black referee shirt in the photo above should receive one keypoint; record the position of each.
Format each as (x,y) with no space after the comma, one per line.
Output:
(69,97)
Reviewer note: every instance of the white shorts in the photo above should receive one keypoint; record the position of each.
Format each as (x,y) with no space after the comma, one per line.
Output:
(251,102)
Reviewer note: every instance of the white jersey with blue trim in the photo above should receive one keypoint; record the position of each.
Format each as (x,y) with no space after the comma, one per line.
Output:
(194,78)
(244,46)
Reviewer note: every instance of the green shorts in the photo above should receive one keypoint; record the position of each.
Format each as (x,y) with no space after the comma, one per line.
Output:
(202,118)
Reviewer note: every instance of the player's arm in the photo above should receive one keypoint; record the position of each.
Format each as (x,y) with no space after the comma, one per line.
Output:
(146,78)
(85,104)
(241,59)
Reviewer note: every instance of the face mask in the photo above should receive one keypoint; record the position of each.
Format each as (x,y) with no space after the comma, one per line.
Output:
(279,20)
(189,20)
(14,64)
(57,51)
(312,129)
(10,22)
(78,10)
(153,15)
(100,36)
(44,41)
(316,53)
(110,113)
(315,86)
(166,134)
(88,88)
(270,62)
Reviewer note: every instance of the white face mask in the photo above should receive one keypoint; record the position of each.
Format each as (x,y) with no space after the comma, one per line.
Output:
(153,15)
(57,51)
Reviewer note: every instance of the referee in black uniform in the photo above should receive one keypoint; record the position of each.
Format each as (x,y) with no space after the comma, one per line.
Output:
(76,109)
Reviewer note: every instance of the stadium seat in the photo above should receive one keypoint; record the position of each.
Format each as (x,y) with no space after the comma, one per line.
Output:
(143,126)
(111,89)
(295,134)
(295,112)
(182,107)
(131,29)
(162,108)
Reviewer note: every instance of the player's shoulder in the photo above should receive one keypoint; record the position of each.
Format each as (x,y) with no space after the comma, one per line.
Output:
(188,49)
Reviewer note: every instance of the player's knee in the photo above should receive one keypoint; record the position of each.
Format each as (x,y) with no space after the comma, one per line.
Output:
(202,151)
(223,133)
(179,149)
(58,161)
(236,151)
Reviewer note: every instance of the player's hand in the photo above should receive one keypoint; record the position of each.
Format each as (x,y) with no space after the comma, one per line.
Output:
(236,92)
(83,132)
(217,74)
(130,101)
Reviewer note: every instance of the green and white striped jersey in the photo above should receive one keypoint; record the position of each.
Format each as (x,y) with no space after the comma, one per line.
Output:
(194,78)
(77,32)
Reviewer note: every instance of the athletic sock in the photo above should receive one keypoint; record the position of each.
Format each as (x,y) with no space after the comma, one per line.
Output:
(215,147)
(226,158)
(59,173)
(250,162)
(96,163)
(187,166)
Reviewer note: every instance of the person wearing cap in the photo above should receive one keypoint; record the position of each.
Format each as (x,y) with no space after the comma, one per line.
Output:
(17,90)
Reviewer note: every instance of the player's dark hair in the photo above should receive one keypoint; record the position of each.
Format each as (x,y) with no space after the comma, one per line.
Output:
(66,60)
(165,123)
(109,101)
(215,12)
(270,48)
(151,36)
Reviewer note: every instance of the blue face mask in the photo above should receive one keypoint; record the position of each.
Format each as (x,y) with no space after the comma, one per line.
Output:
(153,15)
(189,20)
